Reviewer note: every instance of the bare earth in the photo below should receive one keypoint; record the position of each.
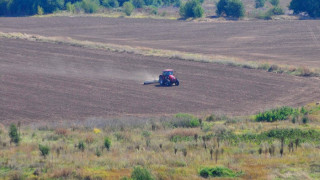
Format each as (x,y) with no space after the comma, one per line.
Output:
(284,42)
(42,81)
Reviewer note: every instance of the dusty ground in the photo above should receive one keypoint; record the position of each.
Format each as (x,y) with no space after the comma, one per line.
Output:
(42,81)
(284,42)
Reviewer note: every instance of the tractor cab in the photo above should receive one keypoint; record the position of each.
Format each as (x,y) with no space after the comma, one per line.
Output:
(167,78)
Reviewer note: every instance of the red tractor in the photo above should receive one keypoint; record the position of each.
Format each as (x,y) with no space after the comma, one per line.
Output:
(167,78)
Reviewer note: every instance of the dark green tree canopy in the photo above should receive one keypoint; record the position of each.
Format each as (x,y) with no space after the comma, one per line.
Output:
(312,7)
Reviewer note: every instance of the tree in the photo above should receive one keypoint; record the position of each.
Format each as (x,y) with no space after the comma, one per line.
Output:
(138,3)
(312,7)
(232,8)
(128,8)
(44,150)
(90,6)
(13,134)
(192,9)
(260,3)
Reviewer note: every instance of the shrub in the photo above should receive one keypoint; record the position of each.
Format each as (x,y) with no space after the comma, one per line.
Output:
(312,7)
(218,172)
(107,143)
(138,3)
(277,10)
(110,3)
(140,173)
(40,10)
(128,8)
(282,113)
(185,120)
(260,3)
(232,8)
(44,150)
(70,7)
(192,9)
(13,134)
(305,120)
(275,2)
(90,6)
(81,146)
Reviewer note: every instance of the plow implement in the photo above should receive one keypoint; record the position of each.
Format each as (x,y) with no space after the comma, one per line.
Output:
(151,82)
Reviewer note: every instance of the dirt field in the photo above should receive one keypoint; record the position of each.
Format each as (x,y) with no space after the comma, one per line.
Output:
(285,42)
(42,81)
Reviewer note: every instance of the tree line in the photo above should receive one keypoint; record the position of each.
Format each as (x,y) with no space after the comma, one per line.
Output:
(191,8)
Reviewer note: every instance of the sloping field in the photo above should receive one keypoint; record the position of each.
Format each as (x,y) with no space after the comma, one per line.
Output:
(283,42)
(43,81)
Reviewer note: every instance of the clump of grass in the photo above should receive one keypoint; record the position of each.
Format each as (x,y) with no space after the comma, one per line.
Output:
(218,171)
(185,120)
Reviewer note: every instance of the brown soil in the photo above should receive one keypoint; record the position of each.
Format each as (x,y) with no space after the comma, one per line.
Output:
(284,42)
(43,81)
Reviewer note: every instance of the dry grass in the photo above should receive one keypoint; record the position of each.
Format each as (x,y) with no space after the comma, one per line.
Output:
(277,68)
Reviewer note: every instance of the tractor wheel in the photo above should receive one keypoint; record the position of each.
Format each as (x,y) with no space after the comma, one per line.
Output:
(177,83)
(161,81)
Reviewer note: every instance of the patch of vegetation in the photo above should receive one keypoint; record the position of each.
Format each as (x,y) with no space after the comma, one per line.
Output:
(275,2)
(218,171)
(128,8)
(185,120)
(272,115)
(277,10)
(192,8)
(231,8)
(312,7)
(260,3)
(140,173)
(13,134)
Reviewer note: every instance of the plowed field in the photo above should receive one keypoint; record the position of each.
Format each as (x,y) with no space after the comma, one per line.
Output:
(283,42)
(43,81)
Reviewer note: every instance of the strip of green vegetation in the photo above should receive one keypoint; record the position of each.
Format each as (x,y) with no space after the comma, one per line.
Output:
(281,113)
(185,120)
(218,171)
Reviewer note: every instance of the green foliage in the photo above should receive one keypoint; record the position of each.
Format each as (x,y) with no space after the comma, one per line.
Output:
(44,150)
(138,3)
(218,171)
(90,6)
(40,10)
(140,173)
(312,7)
(305,120)
(275,2)
(13,134)
(231,8)
(185,120)
(179,138)
(110,3)
(128,8)
(277,10)
(70,7)
(192,9)
(81,146)
(282,113)
(107,143)
(260,3)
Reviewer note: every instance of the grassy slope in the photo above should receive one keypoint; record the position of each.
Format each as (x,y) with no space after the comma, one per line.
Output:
(129,149)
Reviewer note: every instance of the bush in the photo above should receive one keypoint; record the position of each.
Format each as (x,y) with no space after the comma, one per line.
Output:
(13,134)
(128,8)
(218,172)
(275,2)
(110,3)
(282,113)
(277,10)
(312,7)
(232,8)
(107,143)
(70,7)
(192,9)
(140,173)
(90,6)
(138,3)
(44,150)
(81,146)
(260,3)
(185,120)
